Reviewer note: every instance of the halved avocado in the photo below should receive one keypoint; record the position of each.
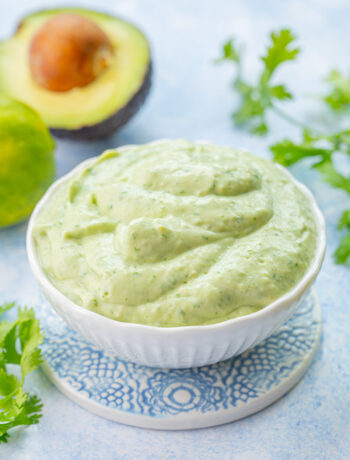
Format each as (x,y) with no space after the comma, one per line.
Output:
(96,109)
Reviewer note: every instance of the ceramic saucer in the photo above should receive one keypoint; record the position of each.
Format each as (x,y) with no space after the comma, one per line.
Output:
(179,398)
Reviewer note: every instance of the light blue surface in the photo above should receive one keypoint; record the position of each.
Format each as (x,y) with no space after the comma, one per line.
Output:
(191,98)
(224,389)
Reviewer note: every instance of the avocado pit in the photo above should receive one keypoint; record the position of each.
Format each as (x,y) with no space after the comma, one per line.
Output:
(68,51)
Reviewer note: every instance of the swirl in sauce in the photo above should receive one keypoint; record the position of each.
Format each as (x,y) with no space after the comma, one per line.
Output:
(176,233)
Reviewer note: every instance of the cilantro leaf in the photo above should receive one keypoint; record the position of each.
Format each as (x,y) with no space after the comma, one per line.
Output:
(28,413)
(322,148)
(280,92)
(229,52)
(19,341)
(6,306)
(257,99)
(280,50)
(339,97)
(342,253)
(30,338)
(342,140)
(332,176)
(287,152)
(344,221)
(251,110)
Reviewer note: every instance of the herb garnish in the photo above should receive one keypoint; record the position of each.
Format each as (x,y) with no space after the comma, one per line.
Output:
(19,341)
(258,99)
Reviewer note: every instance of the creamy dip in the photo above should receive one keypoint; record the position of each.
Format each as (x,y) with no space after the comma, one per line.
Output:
(176,233)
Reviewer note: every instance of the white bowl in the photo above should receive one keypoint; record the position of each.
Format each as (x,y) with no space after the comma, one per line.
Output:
(176,347)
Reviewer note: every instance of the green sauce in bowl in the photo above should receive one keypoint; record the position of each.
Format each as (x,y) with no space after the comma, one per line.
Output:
(176,233)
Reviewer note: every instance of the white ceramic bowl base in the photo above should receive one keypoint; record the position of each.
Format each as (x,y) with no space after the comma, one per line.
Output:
(176,399)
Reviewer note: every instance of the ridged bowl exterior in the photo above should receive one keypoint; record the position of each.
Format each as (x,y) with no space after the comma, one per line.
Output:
(176,347)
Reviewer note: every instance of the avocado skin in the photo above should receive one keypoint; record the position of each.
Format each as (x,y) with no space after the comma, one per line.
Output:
(111,124)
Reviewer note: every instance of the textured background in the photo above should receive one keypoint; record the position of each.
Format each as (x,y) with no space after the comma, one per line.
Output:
(191,98)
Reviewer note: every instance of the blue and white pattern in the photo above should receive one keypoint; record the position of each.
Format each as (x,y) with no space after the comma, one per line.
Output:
(164,393)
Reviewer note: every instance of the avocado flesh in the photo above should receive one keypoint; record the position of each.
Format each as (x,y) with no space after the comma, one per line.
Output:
(96,109)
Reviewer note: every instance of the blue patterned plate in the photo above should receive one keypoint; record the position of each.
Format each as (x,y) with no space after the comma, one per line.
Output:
(179,398)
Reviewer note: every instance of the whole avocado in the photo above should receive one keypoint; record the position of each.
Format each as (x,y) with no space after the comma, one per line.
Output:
(27,164)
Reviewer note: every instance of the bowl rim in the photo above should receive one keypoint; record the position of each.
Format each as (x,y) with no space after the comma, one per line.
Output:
(273,308)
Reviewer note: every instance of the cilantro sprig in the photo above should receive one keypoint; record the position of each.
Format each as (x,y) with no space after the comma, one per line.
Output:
(257,100)
(339,97)
(19,341)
